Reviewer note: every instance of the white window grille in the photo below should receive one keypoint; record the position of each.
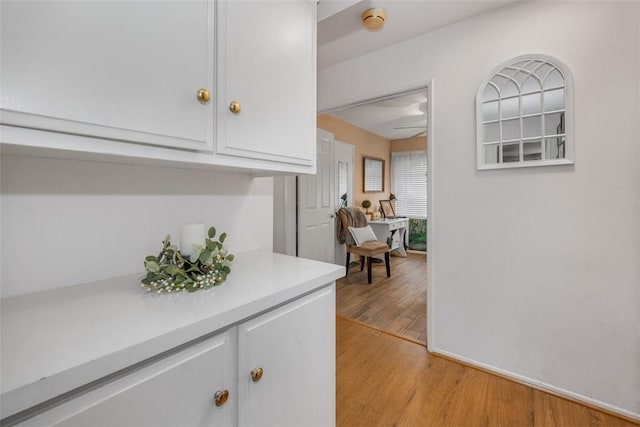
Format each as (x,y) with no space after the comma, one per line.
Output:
(525,115)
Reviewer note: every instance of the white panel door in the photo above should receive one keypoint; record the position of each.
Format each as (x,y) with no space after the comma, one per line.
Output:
(176,391)
(295,347)
(124,70)
(267,63)
(316,205)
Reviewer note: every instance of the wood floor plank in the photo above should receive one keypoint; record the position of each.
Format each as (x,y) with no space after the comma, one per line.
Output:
(383,380)
(397,304)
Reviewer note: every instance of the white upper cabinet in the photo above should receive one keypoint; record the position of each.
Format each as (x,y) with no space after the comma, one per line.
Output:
(120,70)
(121,78)
(267,65)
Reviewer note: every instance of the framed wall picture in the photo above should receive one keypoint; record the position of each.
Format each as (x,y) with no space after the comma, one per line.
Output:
(372,174)
(387,209)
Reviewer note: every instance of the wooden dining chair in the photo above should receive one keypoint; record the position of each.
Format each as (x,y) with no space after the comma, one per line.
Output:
(367,249)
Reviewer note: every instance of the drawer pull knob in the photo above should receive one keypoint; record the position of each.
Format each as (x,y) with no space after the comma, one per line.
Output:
(221,397)
(234,107)
(256,374)
(203,96)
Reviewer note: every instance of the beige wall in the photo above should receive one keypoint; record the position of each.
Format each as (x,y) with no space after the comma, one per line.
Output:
(409,144)
(366,144)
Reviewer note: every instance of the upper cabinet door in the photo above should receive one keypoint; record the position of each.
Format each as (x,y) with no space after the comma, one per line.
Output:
(267,66)
(120,70)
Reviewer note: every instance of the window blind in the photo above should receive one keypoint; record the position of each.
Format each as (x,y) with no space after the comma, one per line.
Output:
(373,175)
(343,176)
(409,183)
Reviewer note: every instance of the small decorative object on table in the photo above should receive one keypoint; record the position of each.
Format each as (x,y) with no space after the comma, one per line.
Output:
(208,265)
(387,208)
(366,204)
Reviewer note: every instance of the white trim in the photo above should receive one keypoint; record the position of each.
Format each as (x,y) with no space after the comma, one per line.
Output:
(537,384)
(28,120)
(526,164)
(23,141)
(427,85)
(430,212)
(402,90)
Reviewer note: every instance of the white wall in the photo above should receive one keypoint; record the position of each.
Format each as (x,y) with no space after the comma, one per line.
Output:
(66,222)
(284,215)
(535,270)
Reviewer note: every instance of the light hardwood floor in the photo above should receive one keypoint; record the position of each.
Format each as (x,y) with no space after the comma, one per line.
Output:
(396,304)
(383,380)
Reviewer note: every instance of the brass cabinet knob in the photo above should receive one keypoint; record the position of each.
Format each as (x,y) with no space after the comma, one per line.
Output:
(234,107)
(203,96)
(256,374)
(221,397)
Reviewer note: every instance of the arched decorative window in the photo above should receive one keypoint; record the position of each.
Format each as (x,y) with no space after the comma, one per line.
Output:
(525,114)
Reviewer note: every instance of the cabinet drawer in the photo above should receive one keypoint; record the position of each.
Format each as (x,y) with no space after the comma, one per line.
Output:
(177,390)
(395,226)
(398,225)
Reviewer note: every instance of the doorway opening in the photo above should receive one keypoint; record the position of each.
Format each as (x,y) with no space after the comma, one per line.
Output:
(396,129)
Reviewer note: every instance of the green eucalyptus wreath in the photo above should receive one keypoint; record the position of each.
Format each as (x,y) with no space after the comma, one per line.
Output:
(207,266)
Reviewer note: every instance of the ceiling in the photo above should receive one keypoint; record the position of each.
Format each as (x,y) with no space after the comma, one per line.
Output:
(341,37)
(398,117)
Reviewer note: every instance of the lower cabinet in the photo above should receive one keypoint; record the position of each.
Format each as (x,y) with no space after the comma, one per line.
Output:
(178,390)
(286,365)
(275,369)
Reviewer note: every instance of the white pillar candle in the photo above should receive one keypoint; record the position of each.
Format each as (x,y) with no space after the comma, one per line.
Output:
(190,234)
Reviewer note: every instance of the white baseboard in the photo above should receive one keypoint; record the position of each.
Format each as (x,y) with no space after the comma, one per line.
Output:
(576,397)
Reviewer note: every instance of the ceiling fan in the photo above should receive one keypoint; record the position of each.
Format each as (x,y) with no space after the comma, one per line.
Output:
(421,133)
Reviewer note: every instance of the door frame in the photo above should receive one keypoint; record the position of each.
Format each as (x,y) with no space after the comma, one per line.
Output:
(429,86)
(340,146)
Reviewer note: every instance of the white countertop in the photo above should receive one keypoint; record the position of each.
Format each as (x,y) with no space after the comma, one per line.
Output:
(55,341)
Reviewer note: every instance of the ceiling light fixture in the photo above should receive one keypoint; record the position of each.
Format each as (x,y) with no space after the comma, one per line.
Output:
(373,19)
